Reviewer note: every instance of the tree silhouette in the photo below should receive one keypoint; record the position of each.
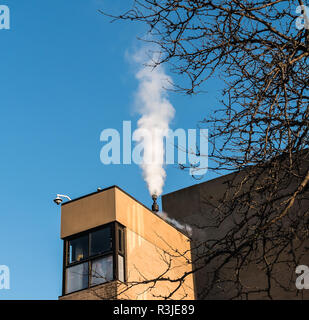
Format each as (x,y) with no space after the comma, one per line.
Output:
(260,50)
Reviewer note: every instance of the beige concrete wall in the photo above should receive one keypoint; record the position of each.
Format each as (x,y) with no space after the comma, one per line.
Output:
(88,212)
(146,263)
(154,247)
(196,206)
(144,222)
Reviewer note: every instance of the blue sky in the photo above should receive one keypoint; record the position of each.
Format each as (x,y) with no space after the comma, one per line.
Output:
(65,78)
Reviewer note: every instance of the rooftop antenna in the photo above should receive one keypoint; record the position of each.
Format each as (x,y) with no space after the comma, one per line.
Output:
(155,206)
(58,199)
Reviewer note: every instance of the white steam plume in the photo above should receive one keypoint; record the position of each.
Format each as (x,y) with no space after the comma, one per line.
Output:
(177,224)
(157,112)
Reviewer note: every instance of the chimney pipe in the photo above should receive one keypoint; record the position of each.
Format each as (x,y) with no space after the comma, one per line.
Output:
(155,206)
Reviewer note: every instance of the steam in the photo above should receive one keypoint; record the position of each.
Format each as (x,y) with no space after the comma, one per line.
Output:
(156,113)
(175,223)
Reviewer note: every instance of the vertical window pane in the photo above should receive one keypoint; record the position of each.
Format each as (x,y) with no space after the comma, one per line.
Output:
(120,240)
(102,270)
(120,268)
(100,241)
(78,249)
(77,277)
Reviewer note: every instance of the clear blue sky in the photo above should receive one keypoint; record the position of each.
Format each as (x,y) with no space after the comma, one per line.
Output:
(63,79)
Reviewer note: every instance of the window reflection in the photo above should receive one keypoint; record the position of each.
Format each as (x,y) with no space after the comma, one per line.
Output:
(100,241)
(77,277)
(121,268)
(102,270)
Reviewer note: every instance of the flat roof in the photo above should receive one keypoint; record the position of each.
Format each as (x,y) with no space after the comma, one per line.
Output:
(117,187)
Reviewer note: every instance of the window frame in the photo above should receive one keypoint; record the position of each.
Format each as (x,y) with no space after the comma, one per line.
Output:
(114,251)
(122,229)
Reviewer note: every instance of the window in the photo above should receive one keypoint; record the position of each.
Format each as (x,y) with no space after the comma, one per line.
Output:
(121,268)
(120,253)
(77,277)
(78,249)
(120,240)
(94,257)
(101,241)
(102,270)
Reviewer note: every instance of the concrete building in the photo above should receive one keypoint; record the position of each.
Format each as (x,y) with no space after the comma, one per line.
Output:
(198,206)
(116,248)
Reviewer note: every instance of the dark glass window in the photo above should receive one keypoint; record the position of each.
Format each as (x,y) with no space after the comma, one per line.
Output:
(78,249)
(101,241)
(93,258)
(121,253)
(120,244)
